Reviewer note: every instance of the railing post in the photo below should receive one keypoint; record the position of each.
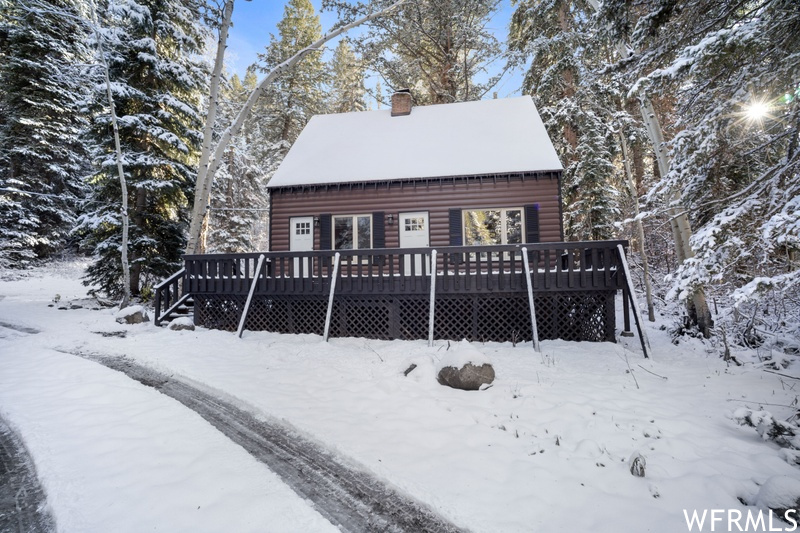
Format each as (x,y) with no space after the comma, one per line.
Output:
(632,295)
(534,329)
(330,297)
(626,314)
(250,295)
(432,298)
(157,304)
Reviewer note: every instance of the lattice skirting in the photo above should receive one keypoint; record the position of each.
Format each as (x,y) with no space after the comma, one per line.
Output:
(583,316)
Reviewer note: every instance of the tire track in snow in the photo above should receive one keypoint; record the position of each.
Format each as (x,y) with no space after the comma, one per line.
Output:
(21,329)
(349,498)
(22,500)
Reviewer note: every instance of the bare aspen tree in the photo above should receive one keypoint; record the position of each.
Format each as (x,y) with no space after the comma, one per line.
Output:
(126,271)
(206,172)
(679,219)
(203,185)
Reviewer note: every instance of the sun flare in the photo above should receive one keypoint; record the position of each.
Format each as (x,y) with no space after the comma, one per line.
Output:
(757,111)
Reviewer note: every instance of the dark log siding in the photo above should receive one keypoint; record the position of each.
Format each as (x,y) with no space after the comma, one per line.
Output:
(434,196)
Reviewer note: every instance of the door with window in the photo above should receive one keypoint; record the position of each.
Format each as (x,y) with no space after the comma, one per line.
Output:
(414,233)
(301,239)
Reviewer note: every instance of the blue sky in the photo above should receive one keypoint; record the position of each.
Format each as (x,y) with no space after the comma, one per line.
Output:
(254,21)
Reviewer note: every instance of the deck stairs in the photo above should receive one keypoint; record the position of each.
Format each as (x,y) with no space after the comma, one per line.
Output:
(172,300)
(184,309)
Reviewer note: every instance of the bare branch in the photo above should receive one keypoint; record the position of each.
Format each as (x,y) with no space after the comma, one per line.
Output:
(203,186)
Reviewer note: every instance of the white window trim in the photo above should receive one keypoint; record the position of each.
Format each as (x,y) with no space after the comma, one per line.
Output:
(504,223)
(355,230)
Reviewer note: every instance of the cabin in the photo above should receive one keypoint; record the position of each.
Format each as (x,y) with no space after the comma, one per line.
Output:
(440,221)
(471,173)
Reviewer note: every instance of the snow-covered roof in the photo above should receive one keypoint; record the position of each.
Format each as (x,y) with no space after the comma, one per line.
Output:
(463,139)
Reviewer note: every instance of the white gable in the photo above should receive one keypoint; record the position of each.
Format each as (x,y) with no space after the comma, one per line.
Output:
(469,138)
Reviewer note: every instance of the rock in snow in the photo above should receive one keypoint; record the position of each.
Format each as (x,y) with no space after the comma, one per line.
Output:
(182,323)
(464,367)
(468,377)
(133,314)
(637,464)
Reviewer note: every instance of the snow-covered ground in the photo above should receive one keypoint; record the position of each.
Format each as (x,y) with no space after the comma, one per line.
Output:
(546,448)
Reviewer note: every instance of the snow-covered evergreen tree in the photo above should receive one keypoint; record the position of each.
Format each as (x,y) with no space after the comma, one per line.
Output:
(155,63)
(238,197)
(732,72)
(559,42)
(347,84)
(298,94)
(378,94)
(436,48)
(42,158)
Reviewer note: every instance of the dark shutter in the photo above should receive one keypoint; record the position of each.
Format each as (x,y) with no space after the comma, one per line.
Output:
(456,229)
(532,223)
(325,231)
(456,233)
(378,230)
(378,234)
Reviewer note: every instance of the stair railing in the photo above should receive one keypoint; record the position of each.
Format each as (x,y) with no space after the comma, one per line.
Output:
(169,295)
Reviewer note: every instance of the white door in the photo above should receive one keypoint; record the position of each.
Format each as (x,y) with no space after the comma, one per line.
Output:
(414,234)
(301,239)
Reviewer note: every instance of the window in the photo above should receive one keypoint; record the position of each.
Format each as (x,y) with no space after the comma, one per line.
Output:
(414,223)
(492,226)
(352,232)
(302,228)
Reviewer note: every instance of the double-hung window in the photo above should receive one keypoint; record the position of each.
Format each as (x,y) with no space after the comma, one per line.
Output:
(492,226)
(352,232)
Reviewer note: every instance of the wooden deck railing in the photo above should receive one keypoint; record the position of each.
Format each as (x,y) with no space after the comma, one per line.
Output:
(561,266)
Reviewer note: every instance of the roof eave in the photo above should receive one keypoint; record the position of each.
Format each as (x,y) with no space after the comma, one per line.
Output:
(364,183)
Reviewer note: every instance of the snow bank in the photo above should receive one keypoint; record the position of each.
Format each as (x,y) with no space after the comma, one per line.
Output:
(779,493)
(117,456)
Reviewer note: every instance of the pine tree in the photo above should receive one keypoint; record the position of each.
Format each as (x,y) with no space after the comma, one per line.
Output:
(297,95)
(42,159)
(378,94)
(154,49)
(238,197)
(436,48)
(577,105)
(347,85)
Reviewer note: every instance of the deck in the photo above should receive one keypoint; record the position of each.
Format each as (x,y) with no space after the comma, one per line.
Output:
(480,291)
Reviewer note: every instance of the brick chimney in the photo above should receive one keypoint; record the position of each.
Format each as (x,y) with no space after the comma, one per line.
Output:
(401,103)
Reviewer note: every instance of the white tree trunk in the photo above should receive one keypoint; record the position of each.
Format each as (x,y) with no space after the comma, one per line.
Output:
(681,230)
(679,220)
(203,185)
(126,271)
